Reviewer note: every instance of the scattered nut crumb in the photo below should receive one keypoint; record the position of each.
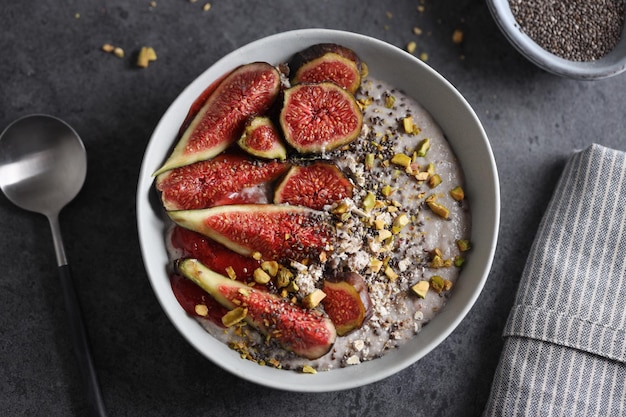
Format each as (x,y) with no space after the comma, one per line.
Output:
(107,47)
(146,55)
(417,31)
(153,4)
(118,52)
(411,47)
(424,56)
(206,7)
(201,310)
(457,36)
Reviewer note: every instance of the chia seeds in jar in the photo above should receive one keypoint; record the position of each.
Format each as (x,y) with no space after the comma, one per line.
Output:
(576,30)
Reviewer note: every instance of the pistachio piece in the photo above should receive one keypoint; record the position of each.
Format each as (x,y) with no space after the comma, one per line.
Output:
(369,201)
(308,369)
(457,193)
(389,101)
(271,267)
(402,160)
(434,181)
(375,264)
(260,276)
(436,283)
(387,190)
(283,277)
(399,222)
(201,310)
(421,288)
(423,147)
(146,55)
(463,245)
(390,273)
(439,209)
(231,272)
(313,299)
(234,316)
(369,161)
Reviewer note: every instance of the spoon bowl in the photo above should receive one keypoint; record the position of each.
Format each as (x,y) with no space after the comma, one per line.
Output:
(43,165)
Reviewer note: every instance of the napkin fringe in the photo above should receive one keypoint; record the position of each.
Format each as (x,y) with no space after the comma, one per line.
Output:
(566,330)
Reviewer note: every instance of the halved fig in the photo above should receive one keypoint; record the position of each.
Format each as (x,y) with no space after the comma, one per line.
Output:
(347,301)
(327,62)
(317,118)
(303,332)
(216,181)
(261,138)
(248,90)
(314,186)
(275,232)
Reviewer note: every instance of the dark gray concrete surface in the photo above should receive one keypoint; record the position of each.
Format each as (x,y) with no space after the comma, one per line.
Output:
(51,62)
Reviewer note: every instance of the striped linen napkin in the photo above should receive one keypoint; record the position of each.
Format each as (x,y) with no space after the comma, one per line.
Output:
(565,339)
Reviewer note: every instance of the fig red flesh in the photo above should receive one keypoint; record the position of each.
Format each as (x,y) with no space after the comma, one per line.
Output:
(217,181)
(302,331)
(314,186)
(319,117)
(276,232)
(347,302)
(248,90)
(261,138)
(327,62)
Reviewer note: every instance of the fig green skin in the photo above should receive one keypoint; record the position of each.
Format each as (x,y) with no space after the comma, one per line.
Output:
(301,331)
(248,90)
(319,117)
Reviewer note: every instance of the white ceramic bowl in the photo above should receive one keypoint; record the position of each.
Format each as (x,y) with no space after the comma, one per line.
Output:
(464,132)
(609,65)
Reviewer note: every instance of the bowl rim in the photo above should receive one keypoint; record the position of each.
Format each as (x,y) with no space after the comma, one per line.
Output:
(607,66)
(467,291)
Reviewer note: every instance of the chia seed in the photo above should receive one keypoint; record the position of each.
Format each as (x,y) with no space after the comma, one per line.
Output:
(576,30)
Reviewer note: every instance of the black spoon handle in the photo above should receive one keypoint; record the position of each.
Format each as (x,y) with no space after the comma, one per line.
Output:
(81,342)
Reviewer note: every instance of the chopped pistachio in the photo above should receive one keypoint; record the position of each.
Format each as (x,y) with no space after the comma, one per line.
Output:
(436,283)
(439,209)
(387,190)
(430,169)
(383,234)
(459,261)
(369,201)
(399,222)
(421,288)
(257,256)
(234,316)
(434,181)
(260,276)
(457,193)
(390,273)
(341,208)
(231,272)
(379,224)
(423,147)
(437,262)
(421,176)
(447,285)
(401,160)
(271,267)
(146,55)
(409,126)
(389,101)
(292,287)
(201,310)
(375,264)
(369,161)
(313,299)
(283,277)
(463,245)
(308,369)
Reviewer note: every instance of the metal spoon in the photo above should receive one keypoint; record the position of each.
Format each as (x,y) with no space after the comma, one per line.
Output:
(43,165)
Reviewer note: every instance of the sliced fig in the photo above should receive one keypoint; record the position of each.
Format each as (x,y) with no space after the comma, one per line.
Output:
(313,186)
(303,332)
(261,138)
(316,118)
(276,232)
(248,90)
(347,301)
(216,181)
(327,62)
(213,255)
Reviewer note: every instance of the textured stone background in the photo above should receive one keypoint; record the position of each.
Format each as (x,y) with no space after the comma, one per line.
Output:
(51,62)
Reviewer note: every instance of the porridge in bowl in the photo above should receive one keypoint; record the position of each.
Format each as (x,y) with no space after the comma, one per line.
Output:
(316,215)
